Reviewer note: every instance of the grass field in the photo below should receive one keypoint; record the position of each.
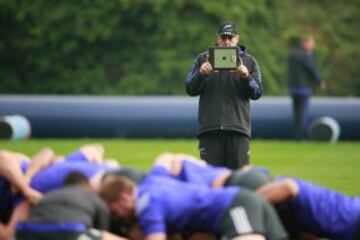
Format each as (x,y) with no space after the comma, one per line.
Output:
(333,165)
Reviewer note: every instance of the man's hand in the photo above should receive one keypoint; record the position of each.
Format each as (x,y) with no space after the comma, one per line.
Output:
(165,160)
(156,236)
(32,195)
(242,70)
(279,191)
(206,67)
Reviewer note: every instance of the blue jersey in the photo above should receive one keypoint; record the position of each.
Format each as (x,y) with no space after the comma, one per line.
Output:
(53,176)
(167,205)
(200,173)
(325,212)
(77,156)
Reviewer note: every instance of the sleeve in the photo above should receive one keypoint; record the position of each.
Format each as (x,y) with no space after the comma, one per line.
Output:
(309,63)
(150,215)
(194,83)
(102,216)
(159,171)
(76,156)
(254,81)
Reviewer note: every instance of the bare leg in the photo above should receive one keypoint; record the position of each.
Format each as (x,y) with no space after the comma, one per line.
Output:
(2,232)
(250,237)
(110,236)
(20,213)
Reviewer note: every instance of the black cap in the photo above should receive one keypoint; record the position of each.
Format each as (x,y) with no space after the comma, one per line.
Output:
(227,28)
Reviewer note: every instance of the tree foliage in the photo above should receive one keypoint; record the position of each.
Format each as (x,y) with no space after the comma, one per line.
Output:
(140,47)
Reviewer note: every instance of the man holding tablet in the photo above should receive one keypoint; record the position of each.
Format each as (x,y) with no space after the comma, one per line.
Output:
(225,78)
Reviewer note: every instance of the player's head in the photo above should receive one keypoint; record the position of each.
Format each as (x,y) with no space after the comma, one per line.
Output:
(118,193)
(227,35)
(307,42)
(75,178)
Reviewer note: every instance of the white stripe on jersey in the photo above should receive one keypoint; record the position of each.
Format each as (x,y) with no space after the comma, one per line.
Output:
(240,220)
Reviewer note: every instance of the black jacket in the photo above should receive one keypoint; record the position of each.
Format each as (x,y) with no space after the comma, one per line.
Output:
(224,96)
(69,205)
(302,70)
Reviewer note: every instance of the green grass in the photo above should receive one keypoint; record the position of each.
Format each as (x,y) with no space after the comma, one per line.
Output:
(333,165)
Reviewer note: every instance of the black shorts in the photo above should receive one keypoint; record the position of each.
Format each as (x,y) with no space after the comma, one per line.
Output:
(225,148)
(250,214)
(248,179)
(357,230)
(290,219)
(91,233)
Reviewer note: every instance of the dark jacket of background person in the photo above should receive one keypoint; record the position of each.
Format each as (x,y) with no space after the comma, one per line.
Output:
(303,74)
(72,204)
(224,97)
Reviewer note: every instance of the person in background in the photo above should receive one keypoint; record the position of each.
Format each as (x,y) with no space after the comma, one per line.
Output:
(224,105)
(303,75)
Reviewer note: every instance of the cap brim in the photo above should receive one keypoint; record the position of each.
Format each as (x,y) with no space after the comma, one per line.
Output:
(227,33)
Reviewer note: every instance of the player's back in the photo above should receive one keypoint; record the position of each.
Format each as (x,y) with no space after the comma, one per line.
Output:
(199,172)
(53,176)
(325,212)
(181,206)
(68,205)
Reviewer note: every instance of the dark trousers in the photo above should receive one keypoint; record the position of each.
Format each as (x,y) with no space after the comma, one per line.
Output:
(301,109)
(225,148)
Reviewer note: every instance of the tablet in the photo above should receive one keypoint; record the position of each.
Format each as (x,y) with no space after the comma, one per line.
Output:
(224,58)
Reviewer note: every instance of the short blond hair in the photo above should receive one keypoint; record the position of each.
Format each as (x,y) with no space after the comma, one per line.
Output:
(111,189)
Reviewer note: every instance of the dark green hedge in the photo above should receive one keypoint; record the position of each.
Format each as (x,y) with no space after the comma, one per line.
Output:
(147,46)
